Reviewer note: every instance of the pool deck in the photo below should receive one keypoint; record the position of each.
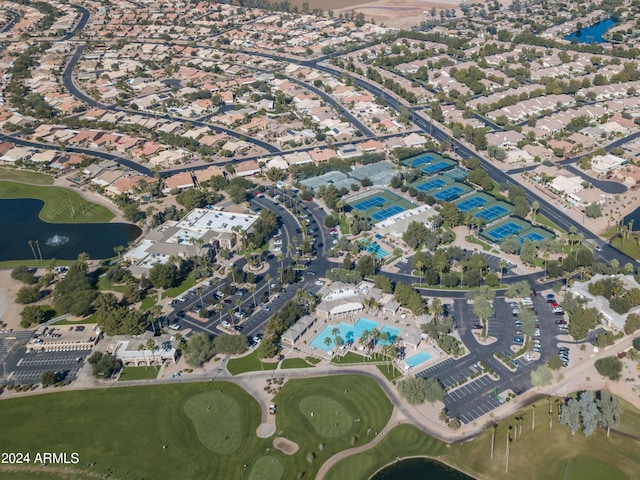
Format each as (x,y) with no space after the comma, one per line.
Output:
(428,346)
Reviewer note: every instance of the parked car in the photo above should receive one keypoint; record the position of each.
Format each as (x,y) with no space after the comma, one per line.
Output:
(266,308)
(518,340)
(174,326)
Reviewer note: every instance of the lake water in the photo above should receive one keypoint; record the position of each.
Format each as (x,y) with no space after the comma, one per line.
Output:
(635,216)
(420,469)
(592,34)
(21,223)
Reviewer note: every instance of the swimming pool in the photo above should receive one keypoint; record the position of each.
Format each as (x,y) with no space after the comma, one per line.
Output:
(350,333)
(418,359)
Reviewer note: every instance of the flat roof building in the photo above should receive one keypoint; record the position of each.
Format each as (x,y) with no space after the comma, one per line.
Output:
(199,231)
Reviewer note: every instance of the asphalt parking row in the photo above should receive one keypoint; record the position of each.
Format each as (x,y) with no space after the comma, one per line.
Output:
(33,376)
(451,380)
(33,361)
(487,404)
(469,389)
(428,372)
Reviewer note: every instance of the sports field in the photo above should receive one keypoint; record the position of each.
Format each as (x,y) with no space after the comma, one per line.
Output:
(193,430)
(61,205)
(380,205)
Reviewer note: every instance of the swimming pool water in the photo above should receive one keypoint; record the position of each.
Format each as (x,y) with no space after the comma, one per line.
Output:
(418,359)
(350,333)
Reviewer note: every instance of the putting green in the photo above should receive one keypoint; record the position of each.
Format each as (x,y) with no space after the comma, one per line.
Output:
(328,417)
(217,418)
(267,467)
(587,468)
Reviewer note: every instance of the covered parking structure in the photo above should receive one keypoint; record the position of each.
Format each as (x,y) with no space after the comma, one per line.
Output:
(298,329)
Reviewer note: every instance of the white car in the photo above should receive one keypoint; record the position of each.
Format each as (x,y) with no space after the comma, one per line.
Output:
(174,326)
(319,283)
(527,302)
(225,323)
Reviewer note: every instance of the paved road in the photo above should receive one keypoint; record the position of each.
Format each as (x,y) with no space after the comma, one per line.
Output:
(12,23)
(84,18)
(67,80)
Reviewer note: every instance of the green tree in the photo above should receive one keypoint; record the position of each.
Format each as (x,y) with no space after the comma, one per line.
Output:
(199,349)
(414,390)
(50,377)
(610,367)
(555,362)
(230,344)
(28,295)
(593,210)
(24,275)
(610,410)
(31,315)
(104,365)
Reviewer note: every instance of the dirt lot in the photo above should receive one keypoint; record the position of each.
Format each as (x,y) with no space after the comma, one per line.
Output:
(391,13)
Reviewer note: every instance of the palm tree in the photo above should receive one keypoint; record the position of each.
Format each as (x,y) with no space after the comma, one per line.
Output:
(32,250)
(535,206)
(327,341)
(508,445)
(365,337)
(267,279)
(502,264)
(493,437)
(151,346)
(40,253)
(533,418)
(141,348)
(252,290)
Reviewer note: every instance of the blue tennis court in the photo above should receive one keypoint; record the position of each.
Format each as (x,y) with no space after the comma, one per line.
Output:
(449,193)
(421,160)
(471,203)
(456,174)
(368,203)
(431,185)
(436,167)
(503,231)
(533,236)
(387,212)
(491,213)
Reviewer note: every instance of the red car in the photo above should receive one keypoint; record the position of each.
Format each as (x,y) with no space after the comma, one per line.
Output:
(554,304)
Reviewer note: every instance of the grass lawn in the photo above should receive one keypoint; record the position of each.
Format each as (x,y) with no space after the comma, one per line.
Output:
(330,410)
(296,363)
(541,453)
(312,360)
(186,284)
(472,239)
(138,373)
(82,321)
(104,284)
(352,357)
(390,372)
(249,363)
(155,415)
(26,176)
(208,429)
(58,203)
(630,246)
(402,441)
(542,220)
(149,302)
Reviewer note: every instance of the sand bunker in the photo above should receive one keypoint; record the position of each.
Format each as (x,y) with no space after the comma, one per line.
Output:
(286,446)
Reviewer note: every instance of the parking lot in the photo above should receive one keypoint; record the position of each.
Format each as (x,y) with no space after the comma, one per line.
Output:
(28,367)
(474,388)
(33,376)
(482,406)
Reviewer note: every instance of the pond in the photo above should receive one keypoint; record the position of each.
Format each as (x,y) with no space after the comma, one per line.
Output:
(64,241)
(635,216)
(593,33)
(419,469)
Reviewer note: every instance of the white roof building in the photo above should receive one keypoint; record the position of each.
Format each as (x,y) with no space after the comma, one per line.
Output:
(604,163)
(566,185)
